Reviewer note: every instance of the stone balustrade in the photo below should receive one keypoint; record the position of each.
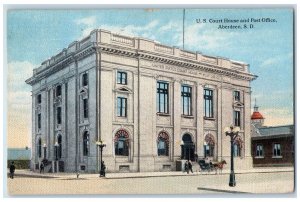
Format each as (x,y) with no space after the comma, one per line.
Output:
(100,37)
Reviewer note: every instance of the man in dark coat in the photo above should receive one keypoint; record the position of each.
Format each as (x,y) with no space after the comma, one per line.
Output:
(12,170)
(190,166)
(186,167)
(42,167)
(102,171)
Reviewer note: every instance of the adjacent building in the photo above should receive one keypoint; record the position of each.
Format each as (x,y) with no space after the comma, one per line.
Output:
(20,156)
(150,103)
(271,145)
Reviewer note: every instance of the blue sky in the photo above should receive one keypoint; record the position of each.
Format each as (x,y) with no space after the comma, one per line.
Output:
(35,35)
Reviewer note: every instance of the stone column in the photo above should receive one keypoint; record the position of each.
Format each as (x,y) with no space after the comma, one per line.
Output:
(219,131)
(199,118)
(177,119)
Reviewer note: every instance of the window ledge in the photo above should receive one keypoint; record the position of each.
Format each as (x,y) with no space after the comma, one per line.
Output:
(162,114)
(259,157)
(209,119)
(187,116)
(162,156)
(276,157)
(122,117)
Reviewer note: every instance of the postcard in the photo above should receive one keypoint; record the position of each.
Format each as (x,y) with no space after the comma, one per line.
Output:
(150,101)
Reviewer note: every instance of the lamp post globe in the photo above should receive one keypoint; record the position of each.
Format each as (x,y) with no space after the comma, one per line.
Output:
(45,150)
(56,148)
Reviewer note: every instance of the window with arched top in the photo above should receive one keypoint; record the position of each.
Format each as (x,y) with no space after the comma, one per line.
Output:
(209,145)
(59,141)
(163,144)
(237,146)
(188,147)
(39,148)
(121,143)
(86,139)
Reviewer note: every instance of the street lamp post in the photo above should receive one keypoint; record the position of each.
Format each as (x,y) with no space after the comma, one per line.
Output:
(45,150)
(182,149)
(100,144)
(205,144)
(56,156)
(233,133)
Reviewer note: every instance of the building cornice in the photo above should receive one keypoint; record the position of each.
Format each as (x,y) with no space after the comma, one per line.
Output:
(178,62)
(103,41)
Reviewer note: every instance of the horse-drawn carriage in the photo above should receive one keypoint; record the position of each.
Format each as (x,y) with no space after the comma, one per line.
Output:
(211,166)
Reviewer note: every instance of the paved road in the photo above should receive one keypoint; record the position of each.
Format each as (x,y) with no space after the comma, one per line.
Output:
(281,182)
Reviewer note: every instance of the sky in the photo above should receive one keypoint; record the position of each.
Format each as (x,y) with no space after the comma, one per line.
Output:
(35,35)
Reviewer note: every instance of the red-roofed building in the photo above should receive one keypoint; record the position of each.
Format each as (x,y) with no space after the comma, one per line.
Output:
(257,119)
(271,145)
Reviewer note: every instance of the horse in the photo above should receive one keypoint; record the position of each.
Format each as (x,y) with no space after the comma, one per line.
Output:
(219,165)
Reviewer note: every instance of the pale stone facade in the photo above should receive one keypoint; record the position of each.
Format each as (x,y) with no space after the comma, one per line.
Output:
(101,56)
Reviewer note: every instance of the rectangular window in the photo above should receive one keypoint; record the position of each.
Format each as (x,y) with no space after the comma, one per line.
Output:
(85,79)
(259,150)
(122,107)
(236,95)
(39,121)
(122,78)
(85,108)
(276,149)
(162,98)
(58,90)
(39,99)
(237,118)
(58,115)
(186,95)
(208,103)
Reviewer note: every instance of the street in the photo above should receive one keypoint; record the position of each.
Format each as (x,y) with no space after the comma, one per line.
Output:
(276,182)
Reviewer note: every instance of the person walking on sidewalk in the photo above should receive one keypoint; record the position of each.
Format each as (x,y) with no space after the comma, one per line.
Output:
(42,167)
(12,169)
(190,166)
(186,167)
(102,170)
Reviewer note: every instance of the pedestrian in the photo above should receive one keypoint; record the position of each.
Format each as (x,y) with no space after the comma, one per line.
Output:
(102,171)
(190,166)
(196,157)
(12,169)
(186,167)
(211,164)
(42,167)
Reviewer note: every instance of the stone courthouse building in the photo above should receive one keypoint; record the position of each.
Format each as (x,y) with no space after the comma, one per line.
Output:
(150,103)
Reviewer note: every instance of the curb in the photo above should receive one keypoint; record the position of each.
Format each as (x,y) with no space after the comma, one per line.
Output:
(35,175)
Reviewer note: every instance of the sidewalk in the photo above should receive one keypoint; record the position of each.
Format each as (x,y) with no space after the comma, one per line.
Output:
(28,173)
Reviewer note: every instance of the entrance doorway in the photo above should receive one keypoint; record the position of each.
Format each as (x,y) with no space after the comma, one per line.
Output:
(187,148)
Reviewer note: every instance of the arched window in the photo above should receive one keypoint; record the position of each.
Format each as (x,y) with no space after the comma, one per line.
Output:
(86,140)
(163,144)
(121,143)
(209,145)
(187,148)
(236,150)
(237,146)
(59,141)
(39,148)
